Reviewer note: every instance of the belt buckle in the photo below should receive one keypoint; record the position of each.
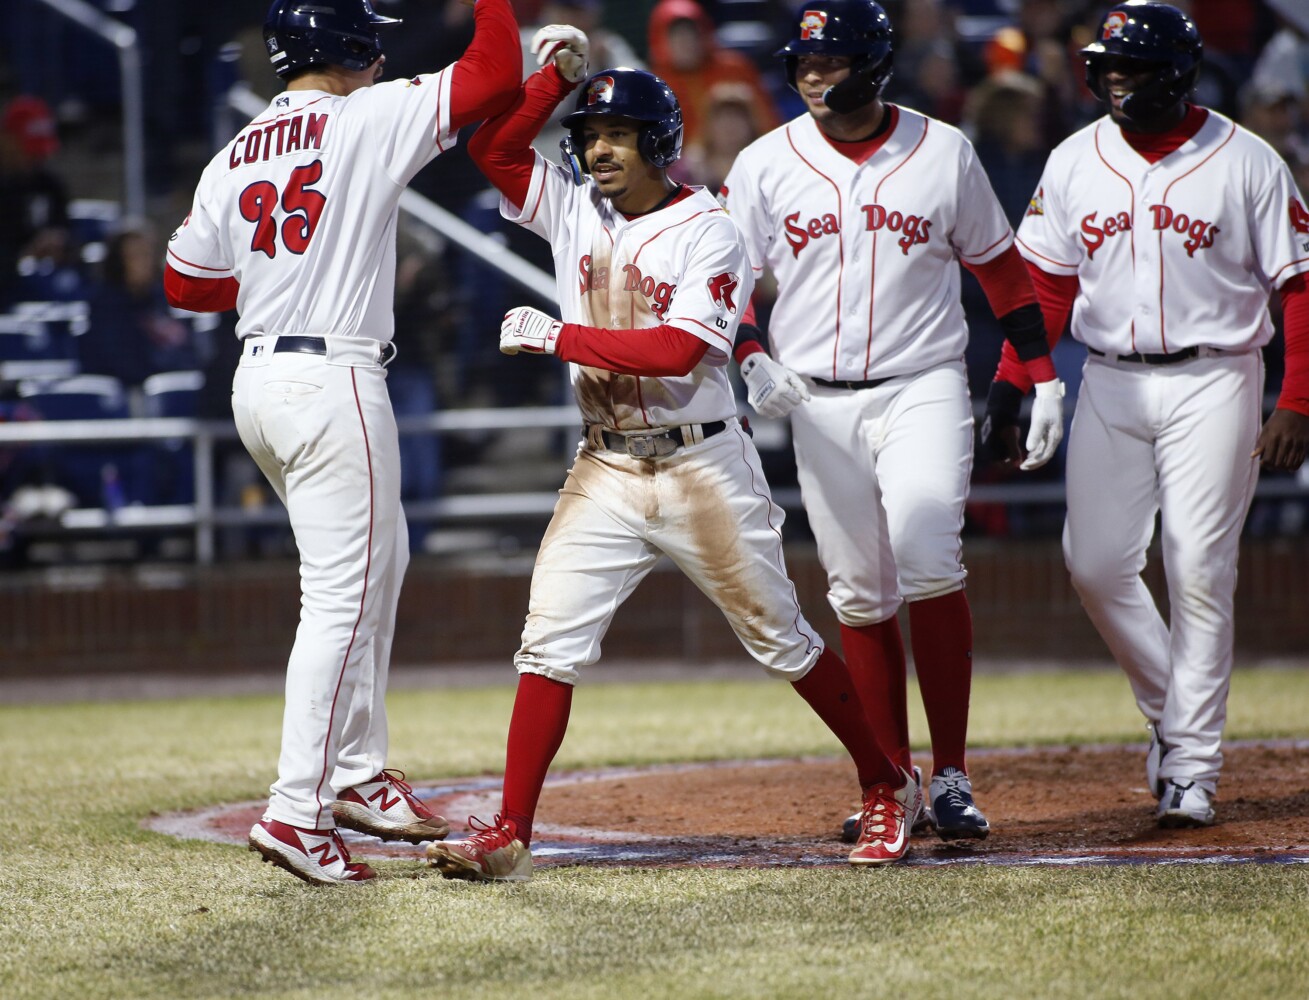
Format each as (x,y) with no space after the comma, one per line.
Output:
(650,445)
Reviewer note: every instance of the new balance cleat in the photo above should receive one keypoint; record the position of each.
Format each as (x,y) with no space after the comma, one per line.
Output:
(492,854)
(1185,804)
(885,821)
(922,824)
(953,810)
(317,856)
(386,807)
(1154,759)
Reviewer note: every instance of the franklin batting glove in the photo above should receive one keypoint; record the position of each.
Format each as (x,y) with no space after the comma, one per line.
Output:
(528,329)
(567,46)
(1047,428)
(774,390)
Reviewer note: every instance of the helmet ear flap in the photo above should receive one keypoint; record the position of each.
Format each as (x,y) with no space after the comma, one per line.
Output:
(570,148)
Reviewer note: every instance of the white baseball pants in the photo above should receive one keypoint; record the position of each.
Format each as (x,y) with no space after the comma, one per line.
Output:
(321,429)
(884,475)
(708,508)
(1173,440)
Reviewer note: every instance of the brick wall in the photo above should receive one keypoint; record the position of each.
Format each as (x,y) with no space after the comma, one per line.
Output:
(242,618)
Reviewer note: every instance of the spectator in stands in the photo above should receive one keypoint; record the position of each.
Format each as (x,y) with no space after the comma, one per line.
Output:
(686,54)
(134,333)
(928,61)
(33,198)
(732,122)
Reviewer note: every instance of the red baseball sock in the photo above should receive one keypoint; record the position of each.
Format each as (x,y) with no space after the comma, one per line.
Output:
(941,633)
(831,693)
(536,731)
(874,655)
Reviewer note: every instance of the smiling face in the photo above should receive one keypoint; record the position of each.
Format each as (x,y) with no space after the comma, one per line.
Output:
(814,75)
(1121,76)
(609,147)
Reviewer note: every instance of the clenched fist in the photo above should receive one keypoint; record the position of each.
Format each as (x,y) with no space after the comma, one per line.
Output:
(567,46)
(528,329)
(774,390)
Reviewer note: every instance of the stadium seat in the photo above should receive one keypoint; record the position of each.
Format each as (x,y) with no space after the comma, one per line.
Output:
(172,394)
(108,475)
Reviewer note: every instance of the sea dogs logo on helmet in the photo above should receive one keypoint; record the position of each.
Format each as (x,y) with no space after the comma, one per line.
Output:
(812,24)
(1113,26)
(600,90)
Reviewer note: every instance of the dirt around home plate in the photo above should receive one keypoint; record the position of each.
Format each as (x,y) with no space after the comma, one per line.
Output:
(1039,801)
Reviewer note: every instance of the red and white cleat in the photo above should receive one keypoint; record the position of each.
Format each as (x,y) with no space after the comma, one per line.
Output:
(386,807)
(317,856)
(884,825)
(492,854)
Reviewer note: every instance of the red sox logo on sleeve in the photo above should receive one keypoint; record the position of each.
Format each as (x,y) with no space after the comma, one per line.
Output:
(721,288)
(812,23)
(1037,205)
(1300,223)
(1113,26)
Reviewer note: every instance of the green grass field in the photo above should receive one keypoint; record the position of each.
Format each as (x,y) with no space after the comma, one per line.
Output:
(92,905)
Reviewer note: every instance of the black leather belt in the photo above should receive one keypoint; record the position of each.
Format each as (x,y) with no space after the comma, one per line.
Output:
(658,444)
(871,383)
(1185,354)
(317,345)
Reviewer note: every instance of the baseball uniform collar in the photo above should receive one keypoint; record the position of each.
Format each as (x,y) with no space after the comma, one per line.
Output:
(902,139)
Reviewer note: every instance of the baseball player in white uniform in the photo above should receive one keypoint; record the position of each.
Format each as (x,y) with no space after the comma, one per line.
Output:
(293,225)
(1163,227)
(652,276)
(863,211)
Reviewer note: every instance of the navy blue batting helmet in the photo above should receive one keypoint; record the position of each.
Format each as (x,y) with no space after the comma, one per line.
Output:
(299,33)
(627,93)
(856,28)
(1151,32)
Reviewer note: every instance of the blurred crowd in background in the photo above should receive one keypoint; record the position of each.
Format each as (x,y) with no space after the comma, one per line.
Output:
(81,304)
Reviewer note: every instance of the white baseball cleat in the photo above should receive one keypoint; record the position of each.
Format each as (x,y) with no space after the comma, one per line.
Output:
(386,807)
(1185,804)
(317,856)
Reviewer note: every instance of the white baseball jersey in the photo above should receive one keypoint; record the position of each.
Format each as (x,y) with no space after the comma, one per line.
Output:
(865,254)
(684,265)
(300,207)
(1174,254)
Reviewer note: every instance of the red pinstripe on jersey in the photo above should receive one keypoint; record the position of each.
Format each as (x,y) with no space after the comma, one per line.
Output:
(840,214)
(1132,191)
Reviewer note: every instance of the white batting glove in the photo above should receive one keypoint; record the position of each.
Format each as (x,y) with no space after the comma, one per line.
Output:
(774,390)
(1047,428)
(528,329)
(567,46)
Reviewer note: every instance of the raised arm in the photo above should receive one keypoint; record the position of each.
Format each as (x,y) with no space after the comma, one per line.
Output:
(486,76)
(502,147)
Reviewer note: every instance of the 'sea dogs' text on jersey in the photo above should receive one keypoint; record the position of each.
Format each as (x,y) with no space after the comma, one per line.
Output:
(914,229)
(278,138)
(659,294)
(1199,234)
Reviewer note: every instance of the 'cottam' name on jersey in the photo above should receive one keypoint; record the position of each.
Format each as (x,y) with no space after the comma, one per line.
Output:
(1200,234)
(914,227)
(594,279)
(278,138)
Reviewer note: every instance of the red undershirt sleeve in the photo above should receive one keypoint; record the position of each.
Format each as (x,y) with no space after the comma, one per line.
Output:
(1295,330)
(502,147)
(485,78)
(199,294)
(1005,281)
(655,352)
(1056,294)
